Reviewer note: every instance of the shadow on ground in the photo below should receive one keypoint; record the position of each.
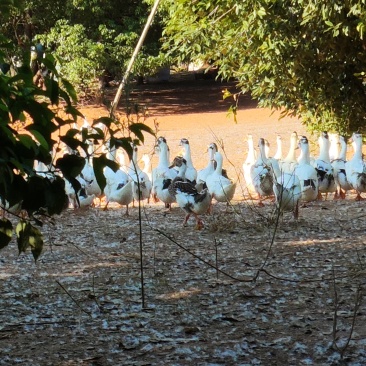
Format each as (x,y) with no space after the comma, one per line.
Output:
(183,97)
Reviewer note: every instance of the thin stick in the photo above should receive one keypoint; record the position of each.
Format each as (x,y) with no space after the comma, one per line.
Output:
(133,58)
(141,249)
(216,259)
(78,305)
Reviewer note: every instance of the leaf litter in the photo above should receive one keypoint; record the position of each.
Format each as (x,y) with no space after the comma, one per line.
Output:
(81,302)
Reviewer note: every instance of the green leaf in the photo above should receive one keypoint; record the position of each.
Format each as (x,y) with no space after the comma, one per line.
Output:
(22,233)
(27,141)
(138,128)
(70,165)
(36,242)
(72,142)
(99,163)
(55,196)
(13,189)
(124,143)
(29,236)
(107,121)
(70,90)
(34,197)
(52,89)
(6,232)
(40,138)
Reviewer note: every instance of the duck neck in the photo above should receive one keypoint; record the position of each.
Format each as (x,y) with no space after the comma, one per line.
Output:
(262,154)
(146,161)
(251,151)
(218,169)
(291,155)
(133,163)
(163,156)
(278,154)
(334,149)
(358,149)
(211,162)
(187,155)
(182,171)
(343,153)
(324,150)
(304,157)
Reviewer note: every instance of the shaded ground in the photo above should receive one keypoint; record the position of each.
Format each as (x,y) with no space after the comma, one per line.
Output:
(275,303)
(186,97)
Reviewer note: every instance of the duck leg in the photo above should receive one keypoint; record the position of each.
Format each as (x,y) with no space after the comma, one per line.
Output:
(296,211)
(186,219)
(199,222)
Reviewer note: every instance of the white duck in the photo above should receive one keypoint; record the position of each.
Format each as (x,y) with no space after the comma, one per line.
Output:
(288,164)
(163,175)
(306,173)
(209,169)
(287,191)
(334,144)
(75,194)
(220,187)
(278,155)
(120,158)
(261,174)
(118,188)
(191,172)
(189,199)
(141,184)
(146,159)
(85,199)
(88,174)
(339,168)
(324,167)
(248,164)
(356,167)
(271,160)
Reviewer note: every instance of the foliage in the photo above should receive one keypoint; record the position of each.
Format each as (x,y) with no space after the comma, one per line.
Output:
(34,121)
(305,58)
(92,40)
(81,60)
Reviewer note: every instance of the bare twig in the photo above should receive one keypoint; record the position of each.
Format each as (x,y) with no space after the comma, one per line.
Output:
(77,304)
(216,259)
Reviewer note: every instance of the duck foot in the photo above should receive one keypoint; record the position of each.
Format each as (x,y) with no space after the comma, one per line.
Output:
(359,198)
(199,223)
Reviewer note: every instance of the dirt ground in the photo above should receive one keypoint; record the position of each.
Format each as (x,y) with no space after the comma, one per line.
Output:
(286,294)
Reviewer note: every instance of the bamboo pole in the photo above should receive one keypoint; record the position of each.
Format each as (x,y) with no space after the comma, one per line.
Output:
(133,58)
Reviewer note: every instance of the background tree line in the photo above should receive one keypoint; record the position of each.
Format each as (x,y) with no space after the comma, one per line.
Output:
(92,41)
(306,58)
